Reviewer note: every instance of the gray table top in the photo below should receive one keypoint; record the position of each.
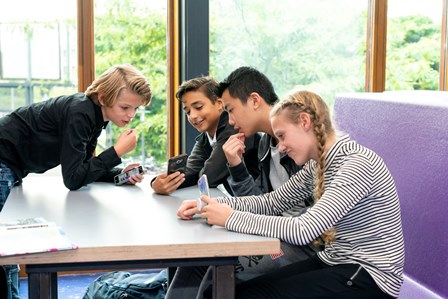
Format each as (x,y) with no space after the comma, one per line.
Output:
(127,222)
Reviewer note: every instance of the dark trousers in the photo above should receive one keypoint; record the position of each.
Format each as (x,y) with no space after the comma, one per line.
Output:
(312,279)
(7,181)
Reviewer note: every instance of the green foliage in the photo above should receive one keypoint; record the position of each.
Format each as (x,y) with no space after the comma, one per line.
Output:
(319,45)
(128,33)
(315,45)
(413,54)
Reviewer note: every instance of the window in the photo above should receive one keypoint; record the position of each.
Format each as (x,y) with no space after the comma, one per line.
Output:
(134,32)
(38,55)
(314,45)
(413,44)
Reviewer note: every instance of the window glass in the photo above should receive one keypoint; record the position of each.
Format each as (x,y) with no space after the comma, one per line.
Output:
(38,56)
(413,44)
(134,31)
(315,45)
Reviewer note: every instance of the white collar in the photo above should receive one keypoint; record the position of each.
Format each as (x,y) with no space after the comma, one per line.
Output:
(211,140)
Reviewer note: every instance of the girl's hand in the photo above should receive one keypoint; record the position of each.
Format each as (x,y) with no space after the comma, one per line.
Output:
(167,183)
(126,142)
(187,209)
(215,213)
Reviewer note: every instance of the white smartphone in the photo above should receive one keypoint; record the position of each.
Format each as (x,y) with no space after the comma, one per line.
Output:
(122,178)
(203,190)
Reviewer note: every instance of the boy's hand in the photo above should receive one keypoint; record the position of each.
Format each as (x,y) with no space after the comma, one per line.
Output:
(168,183)
(126,142)
(138,178)
(234,149)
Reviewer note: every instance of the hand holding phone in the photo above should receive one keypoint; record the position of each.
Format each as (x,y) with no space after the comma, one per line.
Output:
(122,178)
(203,190)
(177,163)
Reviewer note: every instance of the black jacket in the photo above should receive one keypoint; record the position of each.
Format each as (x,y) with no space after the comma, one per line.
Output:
(60,131)
(212,161)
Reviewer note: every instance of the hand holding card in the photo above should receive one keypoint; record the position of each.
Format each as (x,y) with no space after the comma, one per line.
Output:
(123,177)
(203,190)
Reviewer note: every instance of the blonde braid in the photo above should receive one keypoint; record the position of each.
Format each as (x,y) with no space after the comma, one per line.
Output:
(321,137)
(313,105)
(319,186)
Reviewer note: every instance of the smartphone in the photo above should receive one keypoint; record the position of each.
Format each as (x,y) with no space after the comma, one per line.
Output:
(177,163)
(203,190)
(122,178)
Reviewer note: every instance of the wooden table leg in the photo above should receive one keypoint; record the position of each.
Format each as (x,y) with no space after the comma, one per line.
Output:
(43,285)
(224,282)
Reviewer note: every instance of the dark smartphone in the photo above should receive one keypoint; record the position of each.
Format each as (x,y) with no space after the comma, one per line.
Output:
(177,163)
(122,178)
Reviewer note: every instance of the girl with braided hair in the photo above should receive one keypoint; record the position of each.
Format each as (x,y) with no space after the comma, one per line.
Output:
(356,212)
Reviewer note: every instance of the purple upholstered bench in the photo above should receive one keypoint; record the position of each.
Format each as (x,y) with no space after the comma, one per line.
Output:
(409,129)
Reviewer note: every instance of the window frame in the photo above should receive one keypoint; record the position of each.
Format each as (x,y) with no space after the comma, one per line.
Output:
(188,55)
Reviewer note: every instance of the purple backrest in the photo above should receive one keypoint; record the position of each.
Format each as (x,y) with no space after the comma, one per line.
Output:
(409,130)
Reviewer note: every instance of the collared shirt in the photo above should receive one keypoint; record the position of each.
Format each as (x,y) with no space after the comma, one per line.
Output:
(211,140)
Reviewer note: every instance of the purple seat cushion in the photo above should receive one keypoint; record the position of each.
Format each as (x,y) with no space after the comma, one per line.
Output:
(413,290)
(409,130)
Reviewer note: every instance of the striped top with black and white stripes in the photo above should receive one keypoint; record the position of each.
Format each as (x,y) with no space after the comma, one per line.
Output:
(360,201)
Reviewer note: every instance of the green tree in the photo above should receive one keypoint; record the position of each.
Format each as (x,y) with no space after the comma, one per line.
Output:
(413,53)
(319,45)
(314,45)
(128,33)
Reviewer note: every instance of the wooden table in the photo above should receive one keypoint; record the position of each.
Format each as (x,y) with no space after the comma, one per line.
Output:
(125,227)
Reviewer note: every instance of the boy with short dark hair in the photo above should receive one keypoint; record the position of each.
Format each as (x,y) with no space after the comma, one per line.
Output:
(205,112)
(248,96)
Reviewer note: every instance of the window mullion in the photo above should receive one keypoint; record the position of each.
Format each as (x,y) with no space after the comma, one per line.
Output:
(86,50)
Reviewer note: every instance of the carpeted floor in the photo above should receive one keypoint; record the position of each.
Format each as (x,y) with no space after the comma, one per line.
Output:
(70,286)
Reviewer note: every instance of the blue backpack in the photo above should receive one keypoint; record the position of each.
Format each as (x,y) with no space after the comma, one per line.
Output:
(118,285)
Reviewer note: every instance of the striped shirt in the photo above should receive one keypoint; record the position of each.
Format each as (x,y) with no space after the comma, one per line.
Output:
(360,201)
